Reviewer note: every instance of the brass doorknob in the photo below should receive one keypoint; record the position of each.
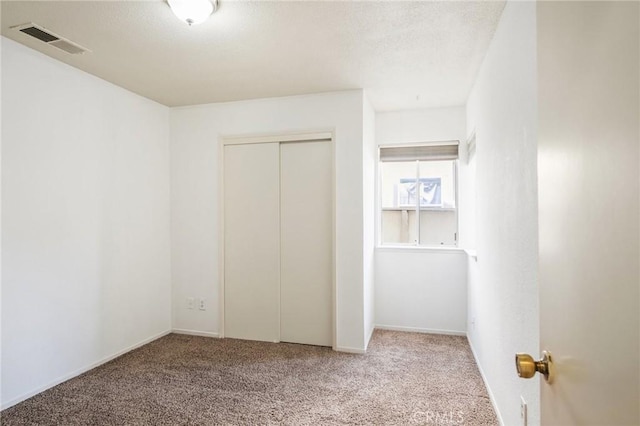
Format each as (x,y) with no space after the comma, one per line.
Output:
(527,367)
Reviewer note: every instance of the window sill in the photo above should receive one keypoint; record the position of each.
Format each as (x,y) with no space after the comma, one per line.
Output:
(472,254)
(422,249)
(422,209)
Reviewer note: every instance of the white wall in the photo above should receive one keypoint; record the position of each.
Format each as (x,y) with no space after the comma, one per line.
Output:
(195,165)
(419,289)
(369,192)
(503,291)
(85,226)
(1,403)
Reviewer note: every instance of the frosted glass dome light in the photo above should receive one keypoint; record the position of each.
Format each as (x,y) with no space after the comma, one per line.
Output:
(193,12)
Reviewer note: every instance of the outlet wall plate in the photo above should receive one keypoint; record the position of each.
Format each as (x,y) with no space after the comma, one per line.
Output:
(523,410)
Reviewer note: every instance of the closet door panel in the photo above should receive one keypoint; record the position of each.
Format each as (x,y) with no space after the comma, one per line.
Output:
(306,240)
(252,241)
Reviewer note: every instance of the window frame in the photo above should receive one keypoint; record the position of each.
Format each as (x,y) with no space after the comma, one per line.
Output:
(378,190)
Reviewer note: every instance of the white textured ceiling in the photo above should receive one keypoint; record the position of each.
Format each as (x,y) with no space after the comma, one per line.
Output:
(406,54)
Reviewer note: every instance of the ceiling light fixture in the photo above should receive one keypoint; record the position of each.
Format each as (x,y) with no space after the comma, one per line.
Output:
(193,12)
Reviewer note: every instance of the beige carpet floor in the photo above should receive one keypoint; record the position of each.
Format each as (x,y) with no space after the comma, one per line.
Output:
(403,379)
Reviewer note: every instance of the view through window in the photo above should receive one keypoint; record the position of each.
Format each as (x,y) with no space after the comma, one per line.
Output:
(418,195)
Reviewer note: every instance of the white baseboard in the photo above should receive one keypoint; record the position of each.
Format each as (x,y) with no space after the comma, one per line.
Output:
(80,371)
(486,384)
(366,344)
(421,330)
(195,332)
(350,350)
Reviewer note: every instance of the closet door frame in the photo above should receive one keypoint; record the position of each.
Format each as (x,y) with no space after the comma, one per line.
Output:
(315,136)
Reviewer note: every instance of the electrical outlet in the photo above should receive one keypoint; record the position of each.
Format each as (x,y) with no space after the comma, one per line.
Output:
(523,410)
(191,302)
(202,305)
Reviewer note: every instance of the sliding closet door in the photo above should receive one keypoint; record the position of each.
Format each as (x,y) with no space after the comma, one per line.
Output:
(306,241)
(252,241)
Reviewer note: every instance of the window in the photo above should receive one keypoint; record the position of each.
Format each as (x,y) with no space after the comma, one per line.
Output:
(418,194)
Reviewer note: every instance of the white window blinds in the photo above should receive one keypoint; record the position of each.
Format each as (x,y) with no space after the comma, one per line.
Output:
(435,151)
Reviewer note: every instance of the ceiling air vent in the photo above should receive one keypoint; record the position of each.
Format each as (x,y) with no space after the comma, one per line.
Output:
(50,38)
